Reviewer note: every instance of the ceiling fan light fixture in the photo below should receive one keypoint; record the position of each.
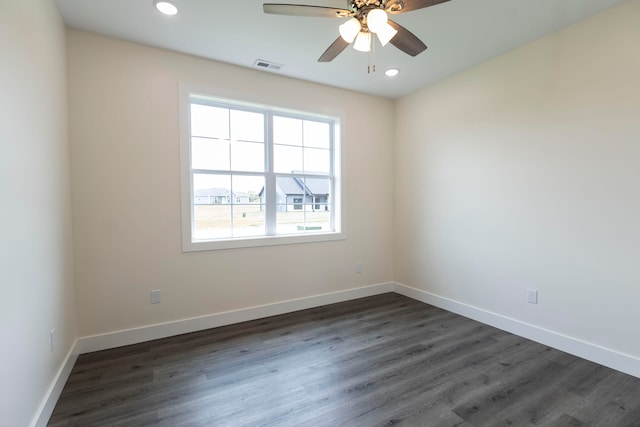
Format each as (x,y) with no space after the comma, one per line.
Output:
(349,30)
(165,7)
(386,34)
(363,42)
(376,20)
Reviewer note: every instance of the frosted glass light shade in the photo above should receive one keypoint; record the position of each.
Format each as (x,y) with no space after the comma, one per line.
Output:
(349,30)
(376,20)
(363,42)
(386,33)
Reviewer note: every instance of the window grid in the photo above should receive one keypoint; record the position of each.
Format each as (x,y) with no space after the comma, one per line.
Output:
(268,198)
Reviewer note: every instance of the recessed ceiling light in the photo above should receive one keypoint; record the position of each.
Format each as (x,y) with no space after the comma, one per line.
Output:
(165,7)
(391,72)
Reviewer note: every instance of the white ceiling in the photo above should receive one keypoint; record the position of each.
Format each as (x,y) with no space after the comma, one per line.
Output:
(459,34)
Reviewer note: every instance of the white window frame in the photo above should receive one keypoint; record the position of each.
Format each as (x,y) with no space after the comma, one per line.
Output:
(188,245)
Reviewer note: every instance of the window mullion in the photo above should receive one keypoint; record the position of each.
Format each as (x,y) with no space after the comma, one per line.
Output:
(270,179)
(332,176)
(233,231)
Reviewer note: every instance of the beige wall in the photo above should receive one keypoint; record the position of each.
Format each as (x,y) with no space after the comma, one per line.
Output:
(36,278)
(126,187)
(524,173)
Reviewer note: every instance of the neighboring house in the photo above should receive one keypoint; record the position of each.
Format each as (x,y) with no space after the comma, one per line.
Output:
(241,198)
(216,196)
(296,194)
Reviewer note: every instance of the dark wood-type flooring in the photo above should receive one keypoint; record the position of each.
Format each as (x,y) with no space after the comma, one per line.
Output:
(382,360)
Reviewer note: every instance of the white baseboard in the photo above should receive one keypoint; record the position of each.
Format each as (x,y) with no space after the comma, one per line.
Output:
(55,389)
(586,350)
(163,330)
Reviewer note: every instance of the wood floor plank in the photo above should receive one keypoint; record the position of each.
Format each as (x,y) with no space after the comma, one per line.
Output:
(382,360)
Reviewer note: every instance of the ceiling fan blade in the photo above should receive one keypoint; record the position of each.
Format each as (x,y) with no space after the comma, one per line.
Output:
(406,41)
(304,10)
(334,50)
(399,6)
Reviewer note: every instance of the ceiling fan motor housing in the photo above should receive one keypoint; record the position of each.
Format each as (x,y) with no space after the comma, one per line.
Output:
(360,8)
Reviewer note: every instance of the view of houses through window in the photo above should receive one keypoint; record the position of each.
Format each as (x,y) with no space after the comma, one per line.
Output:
(258,172)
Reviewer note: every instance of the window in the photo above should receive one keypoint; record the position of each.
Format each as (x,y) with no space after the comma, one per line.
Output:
(256,175)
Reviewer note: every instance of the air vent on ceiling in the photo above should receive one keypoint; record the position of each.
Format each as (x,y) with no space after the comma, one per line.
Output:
(261,63)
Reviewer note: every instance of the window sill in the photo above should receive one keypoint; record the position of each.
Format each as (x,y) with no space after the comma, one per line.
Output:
(250,242)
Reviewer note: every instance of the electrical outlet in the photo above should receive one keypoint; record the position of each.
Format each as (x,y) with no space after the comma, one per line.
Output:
(532,296)
(155,296)
(358,267)
(52,339)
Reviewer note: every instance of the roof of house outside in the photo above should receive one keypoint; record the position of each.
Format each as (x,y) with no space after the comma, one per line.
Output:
(296,186)
(293,186)
(318,186)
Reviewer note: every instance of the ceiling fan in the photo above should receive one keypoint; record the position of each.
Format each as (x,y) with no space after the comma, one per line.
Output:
(365,17)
